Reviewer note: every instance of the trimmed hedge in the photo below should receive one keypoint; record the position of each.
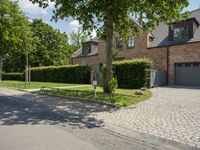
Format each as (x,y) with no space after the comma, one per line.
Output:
(13,76)
(63,74)
(132,74)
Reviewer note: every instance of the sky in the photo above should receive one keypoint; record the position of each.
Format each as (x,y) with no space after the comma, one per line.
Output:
(34,11)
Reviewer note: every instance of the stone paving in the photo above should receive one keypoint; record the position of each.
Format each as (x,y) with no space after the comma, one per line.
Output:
(172,113)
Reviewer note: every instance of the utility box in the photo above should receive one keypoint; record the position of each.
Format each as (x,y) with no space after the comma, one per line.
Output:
(158,78)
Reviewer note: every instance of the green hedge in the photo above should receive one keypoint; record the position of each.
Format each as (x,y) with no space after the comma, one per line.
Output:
(13,76)
(64,74)
(132,74)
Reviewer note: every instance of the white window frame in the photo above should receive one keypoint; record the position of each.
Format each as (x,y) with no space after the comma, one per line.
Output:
(131,42)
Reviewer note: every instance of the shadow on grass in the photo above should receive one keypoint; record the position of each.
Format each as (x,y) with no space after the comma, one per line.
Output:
(120,100)
(33,109)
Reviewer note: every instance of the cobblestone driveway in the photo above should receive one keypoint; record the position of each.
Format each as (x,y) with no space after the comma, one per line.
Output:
(172,113)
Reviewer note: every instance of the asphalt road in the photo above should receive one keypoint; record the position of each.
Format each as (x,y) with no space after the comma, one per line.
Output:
(26,125)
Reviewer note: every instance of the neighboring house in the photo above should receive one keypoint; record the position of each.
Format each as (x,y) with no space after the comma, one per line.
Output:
(175,51)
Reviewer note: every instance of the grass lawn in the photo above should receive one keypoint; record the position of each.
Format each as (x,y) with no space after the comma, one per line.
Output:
(121,97)
(33,85)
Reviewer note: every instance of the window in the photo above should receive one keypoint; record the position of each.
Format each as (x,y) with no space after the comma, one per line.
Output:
(86,49)
(180,33)
(179,65)
(187,65)
(131,42)
(151,39)
(196,64)
(118,43)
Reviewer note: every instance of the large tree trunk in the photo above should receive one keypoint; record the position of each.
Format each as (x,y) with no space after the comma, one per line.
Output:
(109,46)
(1,66)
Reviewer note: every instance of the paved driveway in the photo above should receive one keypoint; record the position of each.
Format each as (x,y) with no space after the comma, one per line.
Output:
(172,113)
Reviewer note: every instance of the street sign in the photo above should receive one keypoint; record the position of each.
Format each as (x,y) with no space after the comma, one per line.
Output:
(94,83)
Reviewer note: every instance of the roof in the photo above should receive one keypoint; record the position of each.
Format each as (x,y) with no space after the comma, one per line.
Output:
(162,31)
(96,40)
(79,53)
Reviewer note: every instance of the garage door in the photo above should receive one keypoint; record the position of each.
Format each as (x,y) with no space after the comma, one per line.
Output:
(187,74)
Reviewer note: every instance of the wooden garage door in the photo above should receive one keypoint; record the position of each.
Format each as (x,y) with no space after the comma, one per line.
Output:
(187,74)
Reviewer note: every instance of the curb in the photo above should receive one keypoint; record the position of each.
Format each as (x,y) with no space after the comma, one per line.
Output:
(81,99)
(74,98)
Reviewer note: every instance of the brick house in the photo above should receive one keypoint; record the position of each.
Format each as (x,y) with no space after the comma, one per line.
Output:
(175,51)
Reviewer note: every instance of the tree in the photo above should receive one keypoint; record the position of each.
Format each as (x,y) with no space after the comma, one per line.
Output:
(78,37)
(109,16)
(42,45)
(52,46)
(12,24)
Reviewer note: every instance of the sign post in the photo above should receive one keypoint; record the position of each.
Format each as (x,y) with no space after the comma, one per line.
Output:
(94,83)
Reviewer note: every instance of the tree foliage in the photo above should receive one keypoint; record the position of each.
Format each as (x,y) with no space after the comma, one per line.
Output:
(94,14)
(48,47)
(51,45)
(13,26)
(78,37)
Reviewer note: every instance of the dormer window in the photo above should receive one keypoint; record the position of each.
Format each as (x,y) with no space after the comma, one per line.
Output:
(183,30)
(86,48)
(180,33)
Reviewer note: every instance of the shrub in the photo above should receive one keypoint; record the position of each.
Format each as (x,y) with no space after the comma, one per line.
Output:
(13,76)
(131,74)
(64,74)
(112,85)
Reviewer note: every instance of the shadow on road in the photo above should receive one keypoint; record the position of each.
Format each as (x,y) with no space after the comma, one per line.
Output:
(33,109)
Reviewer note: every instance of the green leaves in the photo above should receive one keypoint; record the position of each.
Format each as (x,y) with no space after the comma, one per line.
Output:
(92,14)
(13,24)
(51,45)
(78,37)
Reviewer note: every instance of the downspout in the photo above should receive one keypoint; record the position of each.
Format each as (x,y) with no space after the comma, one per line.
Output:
(71,61)
(167,65)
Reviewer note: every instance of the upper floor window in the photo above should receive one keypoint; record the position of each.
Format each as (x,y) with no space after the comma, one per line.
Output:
(86,48)
(180,33)
(131,42)
(119,43)
(86,51)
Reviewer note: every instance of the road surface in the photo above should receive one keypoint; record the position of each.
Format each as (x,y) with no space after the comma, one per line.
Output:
(26,125)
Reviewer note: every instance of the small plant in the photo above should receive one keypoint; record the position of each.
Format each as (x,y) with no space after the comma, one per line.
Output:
(111,86)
